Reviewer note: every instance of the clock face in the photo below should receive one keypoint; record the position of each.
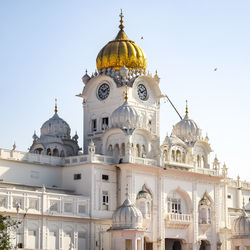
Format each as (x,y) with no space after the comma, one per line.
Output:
(142,92)
(103,91)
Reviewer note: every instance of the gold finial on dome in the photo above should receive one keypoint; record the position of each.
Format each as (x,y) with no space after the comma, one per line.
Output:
(56,105)
(121,52)
(186,107)
(121,26)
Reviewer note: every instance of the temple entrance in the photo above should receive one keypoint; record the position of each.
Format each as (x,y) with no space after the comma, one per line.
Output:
(205,245)
(173,244)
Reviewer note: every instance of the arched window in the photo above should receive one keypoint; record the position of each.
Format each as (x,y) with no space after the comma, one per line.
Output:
(178,155)
(48,151)
(123,149)
(116,152)
(198,161)
(205,210)
(165,155)
(143,151)
(183,157)
(110,150)
(173,155)
(144,202)
(55,152)
(203,162)
(138,151)
(38,151)
(132,149)
(62,154)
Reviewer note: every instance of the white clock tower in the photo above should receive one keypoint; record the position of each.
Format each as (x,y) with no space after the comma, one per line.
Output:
(121,103)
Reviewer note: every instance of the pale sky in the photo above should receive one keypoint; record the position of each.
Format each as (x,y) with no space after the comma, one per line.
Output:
(46,46)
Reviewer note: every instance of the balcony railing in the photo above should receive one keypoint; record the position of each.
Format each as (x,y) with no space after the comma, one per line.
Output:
(175,220)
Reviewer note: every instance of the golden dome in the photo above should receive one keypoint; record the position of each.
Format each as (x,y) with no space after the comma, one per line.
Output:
(121,52)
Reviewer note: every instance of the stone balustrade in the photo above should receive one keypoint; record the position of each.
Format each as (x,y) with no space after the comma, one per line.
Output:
(176,220)
(206,171)
(81,159)
(15,155)
(42,201)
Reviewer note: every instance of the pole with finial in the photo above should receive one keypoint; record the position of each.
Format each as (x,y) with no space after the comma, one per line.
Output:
(121,26)
(186,112)
(126,94)
(56,105)
(126,194)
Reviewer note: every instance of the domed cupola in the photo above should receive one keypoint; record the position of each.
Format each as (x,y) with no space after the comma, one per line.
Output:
(143,194)
(127,216)
(241,225)
(121,52)
(187,129)
(125,117)
(56,126)
(55,139)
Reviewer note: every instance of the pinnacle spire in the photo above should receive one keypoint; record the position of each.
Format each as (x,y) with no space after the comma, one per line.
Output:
(186,112)
(121,26)
(55,106)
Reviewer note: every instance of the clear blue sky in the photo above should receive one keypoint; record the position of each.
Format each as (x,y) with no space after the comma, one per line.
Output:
(46,46)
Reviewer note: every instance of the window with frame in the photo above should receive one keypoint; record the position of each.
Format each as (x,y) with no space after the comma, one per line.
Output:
(16,201)
(33,203)
(105,177)
(54,205)
(81,209)
(77,176)
(105,200)
(68,207)
(93,125)
(105,123)
(3,201)
(174,205)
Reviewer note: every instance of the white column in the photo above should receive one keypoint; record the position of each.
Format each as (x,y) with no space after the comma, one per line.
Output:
(134,244)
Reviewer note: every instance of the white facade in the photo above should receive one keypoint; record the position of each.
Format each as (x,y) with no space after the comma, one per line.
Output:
(161,196)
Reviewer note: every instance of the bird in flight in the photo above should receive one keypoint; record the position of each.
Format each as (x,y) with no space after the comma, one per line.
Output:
(215,69)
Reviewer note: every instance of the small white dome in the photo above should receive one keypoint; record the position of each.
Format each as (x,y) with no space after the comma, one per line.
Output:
(144,194)
(57,127)
(241,225)
(127,216)
(124,117)
(187,130)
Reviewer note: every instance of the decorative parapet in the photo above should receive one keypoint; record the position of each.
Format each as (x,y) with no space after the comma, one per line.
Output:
(180,221)
(174,164)
(143,161)
(206,171)
(43,202)
(81,159)
(238,184)
(14,155)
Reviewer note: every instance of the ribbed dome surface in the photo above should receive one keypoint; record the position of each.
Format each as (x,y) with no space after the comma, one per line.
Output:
(127,216)
(241,225)
(121,52)
(124,117)
(56,126)
(187,130)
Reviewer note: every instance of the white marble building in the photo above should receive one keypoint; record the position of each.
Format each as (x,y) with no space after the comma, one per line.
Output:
(124,190)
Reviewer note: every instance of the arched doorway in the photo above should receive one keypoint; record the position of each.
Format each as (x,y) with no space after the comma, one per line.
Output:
(173,244)
(205,245)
